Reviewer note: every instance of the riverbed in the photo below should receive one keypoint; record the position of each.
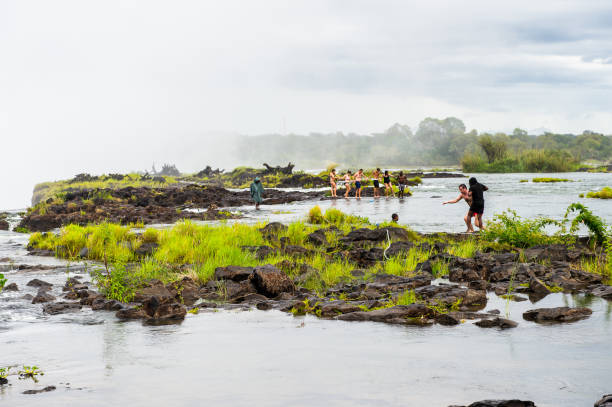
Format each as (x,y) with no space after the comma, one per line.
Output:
(236,358)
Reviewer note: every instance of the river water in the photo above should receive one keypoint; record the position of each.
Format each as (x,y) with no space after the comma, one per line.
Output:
(269,358)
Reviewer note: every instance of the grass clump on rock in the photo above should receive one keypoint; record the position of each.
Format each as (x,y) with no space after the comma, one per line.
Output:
(605,193)
(551,180)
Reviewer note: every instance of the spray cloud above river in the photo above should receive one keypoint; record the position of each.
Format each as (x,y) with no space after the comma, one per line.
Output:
(114,87)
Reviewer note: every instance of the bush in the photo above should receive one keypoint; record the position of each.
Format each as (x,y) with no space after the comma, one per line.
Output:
(510,228)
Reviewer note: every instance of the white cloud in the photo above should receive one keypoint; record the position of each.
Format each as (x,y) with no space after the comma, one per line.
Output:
(116,85)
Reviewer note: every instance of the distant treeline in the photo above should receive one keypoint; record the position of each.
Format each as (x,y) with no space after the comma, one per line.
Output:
(435,142)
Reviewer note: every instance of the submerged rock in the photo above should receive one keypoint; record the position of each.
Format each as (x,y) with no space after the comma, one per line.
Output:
(556,315)
(501,403)
(502,323)
(42,296)
(38,283)
(44,390)
(11,287)
(61,307)
(399,314)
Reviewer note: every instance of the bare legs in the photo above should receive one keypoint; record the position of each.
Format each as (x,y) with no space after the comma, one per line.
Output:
(468,222)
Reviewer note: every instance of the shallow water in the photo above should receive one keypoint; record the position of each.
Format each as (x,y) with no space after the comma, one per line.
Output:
(233,358)
(424,211)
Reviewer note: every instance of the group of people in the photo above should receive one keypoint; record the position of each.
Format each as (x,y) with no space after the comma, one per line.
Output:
(360,177)
(473,196)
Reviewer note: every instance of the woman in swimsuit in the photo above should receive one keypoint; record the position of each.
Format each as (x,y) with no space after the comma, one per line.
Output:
(387,182)
(358,178)
(347,183)
(376,179)
(332,182)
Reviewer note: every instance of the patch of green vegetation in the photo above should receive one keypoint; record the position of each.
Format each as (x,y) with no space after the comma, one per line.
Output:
(405,265)
(524,161)
(2,281)
(117,283)
(30,372)
(439,268)
(464,248)
(46,190)
(551,180)
(4,372)
(510,228)
(524,180)
(21,229)
(605,193)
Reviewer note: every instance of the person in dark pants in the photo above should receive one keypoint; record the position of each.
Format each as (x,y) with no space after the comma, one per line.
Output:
(477,206)
(376,180)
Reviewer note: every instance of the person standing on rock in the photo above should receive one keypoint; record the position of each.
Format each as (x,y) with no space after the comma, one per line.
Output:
(477,206)
(257,191)
(465,195)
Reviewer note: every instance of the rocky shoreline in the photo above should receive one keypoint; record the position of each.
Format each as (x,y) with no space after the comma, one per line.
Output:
(527,276)
(147,205)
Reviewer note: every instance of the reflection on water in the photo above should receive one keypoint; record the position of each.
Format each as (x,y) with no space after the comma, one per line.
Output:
(230,358)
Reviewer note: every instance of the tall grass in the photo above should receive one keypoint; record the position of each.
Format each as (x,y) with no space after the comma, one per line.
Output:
(405,265)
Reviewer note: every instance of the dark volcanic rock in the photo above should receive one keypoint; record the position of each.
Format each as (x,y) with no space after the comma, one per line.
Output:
(4,225)
(234,273)
(399,314)
(146,249)
(149,205)
(44,390)
(131,313)
(603,291)
(153,288)
(501,403)
(61,307)
(317,238)
(270,281)
(42,296)
(11,287)
(261,252)
(496,322)
(38,283)
(376,235)
(559,314)
(605,401)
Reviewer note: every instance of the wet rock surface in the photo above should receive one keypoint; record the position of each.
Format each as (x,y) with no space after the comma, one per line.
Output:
(149,205)
(500,403)
(557,315)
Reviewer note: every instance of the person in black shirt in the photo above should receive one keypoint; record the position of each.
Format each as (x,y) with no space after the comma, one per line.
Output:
(477,206)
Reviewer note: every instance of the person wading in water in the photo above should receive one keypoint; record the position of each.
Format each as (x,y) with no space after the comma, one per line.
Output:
(332,182)
(257,191)
(401,184)
(347,183)
(387,182)
(465,195)
(358,178)
(376,179)
(477,206)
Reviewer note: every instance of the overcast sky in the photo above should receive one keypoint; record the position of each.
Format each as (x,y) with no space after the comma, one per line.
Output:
(110,86)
